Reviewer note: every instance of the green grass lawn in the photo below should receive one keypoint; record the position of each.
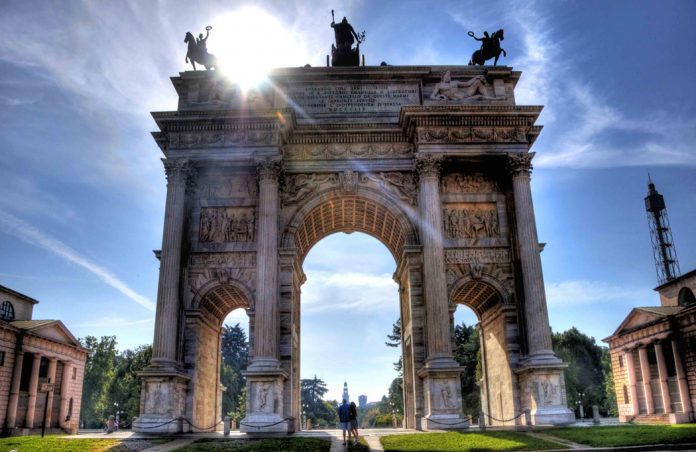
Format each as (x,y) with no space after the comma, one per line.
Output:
(57,443)
(627,435)
(453,441)
(261,445)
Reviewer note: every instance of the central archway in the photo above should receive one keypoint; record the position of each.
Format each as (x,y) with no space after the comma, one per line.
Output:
(388,221)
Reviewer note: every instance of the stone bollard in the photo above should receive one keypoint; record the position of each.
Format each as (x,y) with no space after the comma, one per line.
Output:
(528,418)
(595,414)
(226,425)
(233,424)
(482,422)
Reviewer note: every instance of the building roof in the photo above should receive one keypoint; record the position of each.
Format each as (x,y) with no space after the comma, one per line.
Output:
(51,329)
(18,295)
(642,316)
(29,325)
(661,310)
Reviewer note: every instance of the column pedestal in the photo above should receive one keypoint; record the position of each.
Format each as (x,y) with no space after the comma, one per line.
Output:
(162,402)
(542,390)
(265,403)
(442,396)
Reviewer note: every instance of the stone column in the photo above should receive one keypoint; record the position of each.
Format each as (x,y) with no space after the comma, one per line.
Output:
(539,366)
(64,396)
(14,390)
(164,346)
(440,374)
(662,371)
(434,282)
(52,365)
(539,348)
(630,364)
(645,372)
(33,389)
(266,306)
(265,377)
(681,380)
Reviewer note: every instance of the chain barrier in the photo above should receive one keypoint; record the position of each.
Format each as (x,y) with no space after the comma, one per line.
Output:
(503,420)
(199,428)
(161,425)
(466,419)
(267,425)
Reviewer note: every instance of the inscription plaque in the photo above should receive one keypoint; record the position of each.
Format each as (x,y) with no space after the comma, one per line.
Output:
(353,97)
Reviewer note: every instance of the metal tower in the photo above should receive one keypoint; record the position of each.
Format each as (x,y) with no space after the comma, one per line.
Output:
(663,246)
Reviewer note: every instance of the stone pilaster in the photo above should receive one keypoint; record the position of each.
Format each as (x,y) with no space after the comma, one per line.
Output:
(164,348)
(33,390)
(265,377)
(164,382)
(645,373)
(14,390)
(662,372)
(541,377)
(440,374)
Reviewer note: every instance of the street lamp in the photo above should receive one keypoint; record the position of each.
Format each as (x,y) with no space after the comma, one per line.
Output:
(580,407)
(118,413)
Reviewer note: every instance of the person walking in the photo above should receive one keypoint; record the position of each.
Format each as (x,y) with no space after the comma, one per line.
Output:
(344,420)
(353,415)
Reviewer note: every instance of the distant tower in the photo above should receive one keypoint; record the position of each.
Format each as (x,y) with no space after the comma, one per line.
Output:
(345,392)
(663,246)
(362,401)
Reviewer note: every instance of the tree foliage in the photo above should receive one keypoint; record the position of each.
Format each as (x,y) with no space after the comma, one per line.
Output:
(394,340)
(320,412)
(235,353)
(588,372)
(467,352)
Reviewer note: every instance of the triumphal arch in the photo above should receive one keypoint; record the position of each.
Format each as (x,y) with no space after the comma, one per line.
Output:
(433,161)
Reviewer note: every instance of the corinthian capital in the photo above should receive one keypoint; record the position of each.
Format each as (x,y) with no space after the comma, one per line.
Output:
(520,164)
(269,169)
(428,165)
(180,171)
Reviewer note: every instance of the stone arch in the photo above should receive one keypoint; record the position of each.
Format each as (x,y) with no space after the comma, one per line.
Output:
(686,297)
(363,210)
(498,332)
(216,298)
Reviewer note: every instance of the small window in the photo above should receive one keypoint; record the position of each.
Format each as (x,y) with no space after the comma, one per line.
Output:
(625,394)
(620,360)
(2,358)
(70,407)
(7,311)
(74,373)
(686,297)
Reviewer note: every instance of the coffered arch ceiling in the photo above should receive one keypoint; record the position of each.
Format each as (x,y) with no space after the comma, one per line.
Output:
(478,295)
(223,299)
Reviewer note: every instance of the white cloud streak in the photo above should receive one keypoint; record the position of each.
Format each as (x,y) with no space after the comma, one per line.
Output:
(581,293)
(29,234)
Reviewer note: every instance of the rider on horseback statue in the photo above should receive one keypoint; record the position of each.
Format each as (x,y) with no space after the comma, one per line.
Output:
(490,48)
(198,50)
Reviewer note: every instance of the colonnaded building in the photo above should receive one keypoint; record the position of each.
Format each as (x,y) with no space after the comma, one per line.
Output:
(41,369)
(432,161)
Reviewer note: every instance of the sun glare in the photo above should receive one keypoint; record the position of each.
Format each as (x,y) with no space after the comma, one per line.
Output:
(249,42)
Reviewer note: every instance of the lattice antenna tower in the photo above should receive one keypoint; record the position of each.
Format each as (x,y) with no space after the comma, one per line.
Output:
(665,254)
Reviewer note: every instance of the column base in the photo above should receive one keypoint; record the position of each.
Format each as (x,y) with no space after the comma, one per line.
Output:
(680,418)
(542,391)
(162,402)
(442,395)
(265,408)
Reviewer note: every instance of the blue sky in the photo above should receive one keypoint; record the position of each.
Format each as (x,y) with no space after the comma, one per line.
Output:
(83,188)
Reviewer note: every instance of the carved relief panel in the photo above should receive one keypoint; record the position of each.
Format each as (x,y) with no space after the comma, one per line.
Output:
(468,183)
(227,187)
(471,220)
(227,224)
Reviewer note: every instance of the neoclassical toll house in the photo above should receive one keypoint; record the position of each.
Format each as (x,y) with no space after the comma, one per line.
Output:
(432,161)
(41,365)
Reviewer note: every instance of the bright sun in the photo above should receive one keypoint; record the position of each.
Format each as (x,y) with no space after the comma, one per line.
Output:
(249,41)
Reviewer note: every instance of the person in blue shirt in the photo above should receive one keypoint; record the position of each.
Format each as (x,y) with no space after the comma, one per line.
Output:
(344,420)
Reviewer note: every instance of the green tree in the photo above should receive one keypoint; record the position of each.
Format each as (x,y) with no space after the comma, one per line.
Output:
(316,409)
(587,373)
(235,353)
(467,352)
(99,376)
(395,396)
(394,340)
(126,385)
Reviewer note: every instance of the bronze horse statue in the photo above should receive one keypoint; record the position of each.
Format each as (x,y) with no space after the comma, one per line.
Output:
(198,54)
(490,48)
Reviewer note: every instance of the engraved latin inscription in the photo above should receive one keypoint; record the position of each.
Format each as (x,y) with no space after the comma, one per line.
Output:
(353,98)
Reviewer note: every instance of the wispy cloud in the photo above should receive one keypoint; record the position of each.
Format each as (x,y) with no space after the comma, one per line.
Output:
(353,291)
(580,293)
(29,234)
(113,322)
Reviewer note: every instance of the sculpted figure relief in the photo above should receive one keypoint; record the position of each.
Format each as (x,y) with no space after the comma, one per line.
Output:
(400,184)
(468,183)
(490,48)
(475,88)
(198,50)
(471,223)
(299,186)
(226,225)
